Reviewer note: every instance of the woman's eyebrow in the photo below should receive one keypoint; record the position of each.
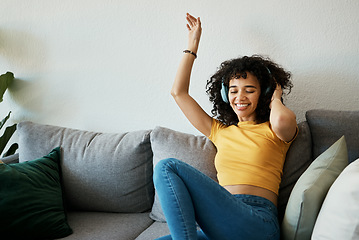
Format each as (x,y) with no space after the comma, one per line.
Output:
(246,86)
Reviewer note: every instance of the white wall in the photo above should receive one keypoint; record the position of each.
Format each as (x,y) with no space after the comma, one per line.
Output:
(106,65)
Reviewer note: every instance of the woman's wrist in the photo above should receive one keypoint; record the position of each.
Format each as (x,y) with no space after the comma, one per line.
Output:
(190,52)
(193,45)
(192,49)
(271,103)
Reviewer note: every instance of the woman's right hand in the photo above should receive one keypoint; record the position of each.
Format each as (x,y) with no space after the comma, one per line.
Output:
(195,30)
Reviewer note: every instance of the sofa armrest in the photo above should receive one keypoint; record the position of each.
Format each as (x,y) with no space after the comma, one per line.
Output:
(10,159)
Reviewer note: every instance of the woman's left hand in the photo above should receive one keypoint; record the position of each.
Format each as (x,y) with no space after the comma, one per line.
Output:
(277,92)
(282,119)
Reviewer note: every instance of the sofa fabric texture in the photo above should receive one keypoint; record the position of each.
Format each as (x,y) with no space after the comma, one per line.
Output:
(108,226)
(299,157)
(101,171)
(327,126)
(197,151)
(107,177)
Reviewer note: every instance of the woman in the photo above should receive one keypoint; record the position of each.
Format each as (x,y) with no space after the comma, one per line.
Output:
(252,133)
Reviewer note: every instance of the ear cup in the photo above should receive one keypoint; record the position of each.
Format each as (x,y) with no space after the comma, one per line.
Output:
(269,88)
(224,93)
(267,91)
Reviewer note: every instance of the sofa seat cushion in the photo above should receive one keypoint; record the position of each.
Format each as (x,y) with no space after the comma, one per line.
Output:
(108,172)
(156,230)
(96,225)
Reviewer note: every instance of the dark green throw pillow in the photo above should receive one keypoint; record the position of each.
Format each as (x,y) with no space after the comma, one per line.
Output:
(31,202)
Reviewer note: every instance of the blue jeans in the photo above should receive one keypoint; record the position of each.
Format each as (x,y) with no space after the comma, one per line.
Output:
(188,196)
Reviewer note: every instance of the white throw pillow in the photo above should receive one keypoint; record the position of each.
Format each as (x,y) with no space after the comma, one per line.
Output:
(310,190)
(339,216)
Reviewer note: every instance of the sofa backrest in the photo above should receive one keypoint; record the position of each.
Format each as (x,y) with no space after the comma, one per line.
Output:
(299,157)
(327,126)
(91,161)
(101,171)
(197,151)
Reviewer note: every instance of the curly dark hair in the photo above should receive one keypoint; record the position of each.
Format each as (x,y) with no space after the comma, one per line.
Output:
(266,71)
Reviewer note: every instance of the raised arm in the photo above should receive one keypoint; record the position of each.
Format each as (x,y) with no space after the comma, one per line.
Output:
(282,119)
(180,89)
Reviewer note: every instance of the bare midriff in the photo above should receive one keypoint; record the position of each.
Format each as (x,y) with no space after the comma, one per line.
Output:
(252,190)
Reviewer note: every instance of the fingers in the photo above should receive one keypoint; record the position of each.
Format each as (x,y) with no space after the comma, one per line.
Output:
(192,21)
(190,18)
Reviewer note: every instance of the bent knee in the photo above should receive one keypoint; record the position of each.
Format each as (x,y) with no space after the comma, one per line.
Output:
(163,166)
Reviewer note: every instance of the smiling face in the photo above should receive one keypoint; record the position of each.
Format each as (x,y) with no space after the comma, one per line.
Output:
(243,97)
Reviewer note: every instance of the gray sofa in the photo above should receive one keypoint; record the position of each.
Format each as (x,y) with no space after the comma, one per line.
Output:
(107,177)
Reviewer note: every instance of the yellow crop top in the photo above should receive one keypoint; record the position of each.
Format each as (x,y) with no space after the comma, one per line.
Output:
(248,153)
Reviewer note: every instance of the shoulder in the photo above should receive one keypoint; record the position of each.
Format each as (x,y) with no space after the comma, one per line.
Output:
(215,128)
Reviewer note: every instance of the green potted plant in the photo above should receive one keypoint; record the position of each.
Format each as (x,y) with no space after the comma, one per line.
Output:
(5,80)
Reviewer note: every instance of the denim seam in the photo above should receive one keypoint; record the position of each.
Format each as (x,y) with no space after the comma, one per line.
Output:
(177,200)
(267,208)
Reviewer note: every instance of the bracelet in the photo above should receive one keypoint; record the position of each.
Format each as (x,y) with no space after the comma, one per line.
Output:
(188,51)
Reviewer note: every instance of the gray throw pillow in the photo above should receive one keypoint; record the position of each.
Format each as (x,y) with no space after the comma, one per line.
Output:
(108,172)
(197,151)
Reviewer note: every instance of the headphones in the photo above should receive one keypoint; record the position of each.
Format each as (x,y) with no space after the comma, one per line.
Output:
(224,88)
(224,92)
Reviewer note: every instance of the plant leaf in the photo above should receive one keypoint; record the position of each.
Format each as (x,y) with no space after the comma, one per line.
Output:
(2,123)
(4,139)
(11,150)
(5,81)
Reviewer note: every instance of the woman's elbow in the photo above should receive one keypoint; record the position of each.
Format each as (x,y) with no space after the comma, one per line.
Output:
(282,119)
(177,94)
(174,93)
(284,125)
